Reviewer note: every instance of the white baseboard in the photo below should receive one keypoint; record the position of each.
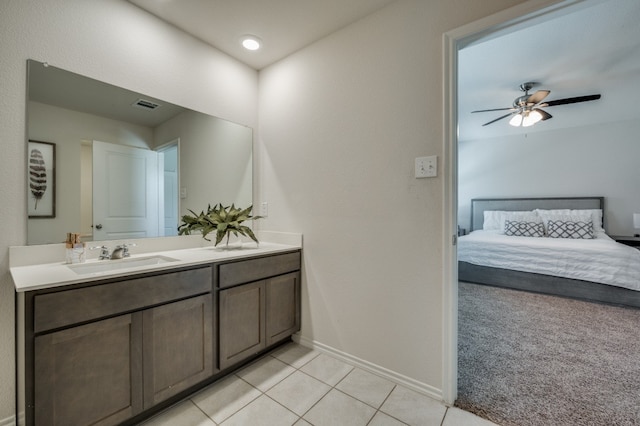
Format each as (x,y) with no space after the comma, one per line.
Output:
(393,376)
(9,421)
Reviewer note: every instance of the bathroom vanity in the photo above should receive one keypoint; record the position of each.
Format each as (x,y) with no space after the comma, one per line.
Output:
(115,348)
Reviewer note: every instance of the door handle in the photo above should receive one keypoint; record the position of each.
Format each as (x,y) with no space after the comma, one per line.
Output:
(99,226)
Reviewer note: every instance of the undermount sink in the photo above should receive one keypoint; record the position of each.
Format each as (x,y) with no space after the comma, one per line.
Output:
(115,265)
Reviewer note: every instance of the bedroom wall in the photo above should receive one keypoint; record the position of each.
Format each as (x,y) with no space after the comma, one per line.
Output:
(112,41)
(599,160)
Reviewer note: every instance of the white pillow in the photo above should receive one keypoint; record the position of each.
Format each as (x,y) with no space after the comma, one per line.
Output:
(494,219)
(491,220)
(596,216)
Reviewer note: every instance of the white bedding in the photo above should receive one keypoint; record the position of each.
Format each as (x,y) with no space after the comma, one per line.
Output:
(600,260)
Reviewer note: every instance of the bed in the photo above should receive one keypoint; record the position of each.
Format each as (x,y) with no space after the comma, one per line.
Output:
(596,269)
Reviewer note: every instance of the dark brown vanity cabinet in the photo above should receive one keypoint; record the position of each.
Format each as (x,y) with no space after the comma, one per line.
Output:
(89,374)
(282,307)
(178,347)
(117,350)
(259,305)
(106,352)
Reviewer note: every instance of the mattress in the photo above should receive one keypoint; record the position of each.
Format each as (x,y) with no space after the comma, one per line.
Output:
(600,260)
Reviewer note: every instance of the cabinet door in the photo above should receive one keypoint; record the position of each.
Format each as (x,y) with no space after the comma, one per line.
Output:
(242,328)
(178,347)
(89,374)
(282,306)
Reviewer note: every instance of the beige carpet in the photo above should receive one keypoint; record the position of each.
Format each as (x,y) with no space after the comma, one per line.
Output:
(530,359)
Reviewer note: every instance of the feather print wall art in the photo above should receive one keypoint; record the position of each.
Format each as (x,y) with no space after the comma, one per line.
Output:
(37,176)
(41,180)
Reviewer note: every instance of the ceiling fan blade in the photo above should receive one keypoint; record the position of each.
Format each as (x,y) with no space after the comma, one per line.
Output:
(496,109)
(545,115)
(572,100)
(538,96)
(499,118)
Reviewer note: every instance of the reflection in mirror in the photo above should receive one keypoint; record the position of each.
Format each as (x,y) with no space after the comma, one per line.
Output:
(129,165)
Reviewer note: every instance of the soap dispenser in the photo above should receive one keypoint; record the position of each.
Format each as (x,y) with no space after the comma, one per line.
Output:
(74,248)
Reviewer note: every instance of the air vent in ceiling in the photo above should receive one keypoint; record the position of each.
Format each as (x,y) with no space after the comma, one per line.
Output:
(145,104)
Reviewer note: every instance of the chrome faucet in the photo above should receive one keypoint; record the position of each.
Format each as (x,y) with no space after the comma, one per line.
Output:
(120,252)
(104,252)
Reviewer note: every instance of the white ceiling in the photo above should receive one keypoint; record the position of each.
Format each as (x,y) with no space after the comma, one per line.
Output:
(284,26)
(594,50)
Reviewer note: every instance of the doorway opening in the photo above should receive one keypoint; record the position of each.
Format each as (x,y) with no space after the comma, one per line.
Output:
(508,21)
(171,191)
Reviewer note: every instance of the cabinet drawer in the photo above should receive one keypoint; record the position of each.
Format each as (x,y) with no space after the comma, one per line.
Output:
(68,307)
(245,271)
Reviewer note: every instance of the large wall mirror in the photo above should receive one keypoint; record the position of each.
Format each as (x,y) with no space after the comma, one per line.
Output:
(125,165)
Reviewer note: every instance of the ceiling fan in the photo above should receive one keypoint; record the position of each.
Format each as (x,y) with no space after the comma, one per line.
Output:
(527,109)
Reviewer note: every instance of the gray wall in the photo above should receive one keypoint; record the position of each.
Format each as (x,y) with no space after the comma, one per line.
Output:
(597,160)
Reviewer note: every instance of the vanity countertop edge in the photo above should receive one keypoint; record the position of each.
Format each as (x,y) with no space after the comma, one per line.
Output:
(57,274)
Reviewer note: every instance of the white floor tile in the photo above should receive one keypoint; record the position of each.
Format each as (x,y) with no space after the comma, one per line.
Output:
(184,414)
(366,387)
(265,373)
(271,392)
(413,408)
(327,369)
(337,408)
(382,419)
(458,417)
(224,398)
(299,392)
(295,355)
(262,412)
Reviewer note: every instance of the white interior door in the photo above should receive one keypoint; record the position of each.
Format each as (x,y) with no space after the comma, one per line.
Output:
(125,192)
(171,187)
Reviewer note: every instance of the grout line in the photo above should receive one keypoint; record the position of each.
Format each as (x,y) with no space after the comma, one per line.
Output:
(445,415)
(299,417)
(244,406)
(202,411)
(379,410)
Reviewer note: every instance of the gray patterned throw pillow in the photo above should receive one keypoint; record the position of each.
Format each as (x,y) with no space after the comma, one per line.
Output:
(523,229)
(570,229)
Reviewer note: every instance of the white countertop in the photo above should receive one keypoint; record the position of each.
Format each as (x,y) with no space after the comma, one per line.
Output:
(49,275)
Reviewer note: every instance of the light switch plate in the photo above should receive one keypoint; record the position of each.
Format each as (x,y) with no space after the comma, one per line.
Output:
(264,209)
(426,167)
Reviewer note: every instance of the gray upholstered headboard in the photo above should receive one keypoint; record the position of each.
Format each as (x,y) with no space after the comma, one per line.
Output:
(479,205)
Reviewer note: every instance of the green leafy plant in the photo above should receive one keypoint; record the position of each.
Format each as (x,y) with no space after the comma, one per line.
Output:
(223,220)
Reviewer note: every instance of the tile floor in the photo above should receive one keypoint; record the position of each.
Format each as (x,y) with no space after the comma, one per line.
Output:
(298,386)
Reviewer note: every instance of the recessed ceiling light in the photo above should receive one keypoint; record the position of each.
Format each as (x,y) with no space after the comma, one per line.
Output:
(251,42)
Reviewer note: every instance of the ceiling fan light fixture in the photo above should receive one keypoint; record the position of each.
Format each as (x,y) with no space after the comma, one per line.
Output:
(531,118)
(251,42)
(516,120)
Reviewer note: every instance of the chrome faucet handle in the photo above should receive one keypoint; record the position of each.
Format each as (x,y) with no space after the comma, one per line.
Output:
(104,252)
(125,248)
